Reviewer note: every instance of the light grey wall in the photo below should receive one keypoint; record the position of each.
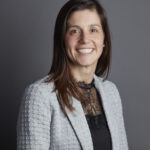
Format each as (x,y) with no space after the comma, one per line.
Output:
(26,36)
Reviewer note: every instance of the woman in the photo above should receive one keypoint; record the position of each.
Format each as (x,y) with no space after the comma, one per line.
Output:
(74,107)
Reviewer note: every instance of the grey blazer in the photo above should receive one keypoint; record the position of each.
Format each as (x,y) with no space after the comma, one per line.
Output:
(41,124)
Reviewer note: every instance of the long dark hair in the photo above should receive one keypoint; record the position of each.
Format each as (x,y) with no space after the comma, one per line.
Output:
(60,73)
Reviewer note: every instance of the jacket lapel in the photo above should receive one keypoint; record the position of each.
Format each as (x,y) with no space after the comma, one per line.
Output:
(80,125)
(108,106)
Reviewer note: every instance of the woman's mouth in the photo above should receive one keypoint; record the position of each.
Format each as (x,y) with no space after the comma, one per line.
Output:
(85,50)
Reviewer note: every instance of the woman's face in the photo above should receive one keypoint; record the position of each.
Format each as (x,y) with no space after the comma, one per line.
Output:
(84,38)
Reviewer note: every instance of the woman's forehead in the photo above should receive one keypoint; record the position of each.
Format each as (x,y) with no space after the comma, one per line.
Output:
(84,18)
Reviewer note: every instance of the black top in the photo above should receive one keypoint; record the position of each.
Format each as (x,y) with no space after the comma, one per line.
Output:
(99,131)
(95,117)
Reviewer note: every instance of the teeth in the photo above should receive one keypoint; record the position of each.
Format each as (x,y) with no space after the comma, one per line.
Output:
(85,50)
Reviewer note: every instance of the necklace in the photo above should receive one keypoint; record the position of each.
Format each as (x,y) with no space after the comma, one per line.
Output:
(84,85)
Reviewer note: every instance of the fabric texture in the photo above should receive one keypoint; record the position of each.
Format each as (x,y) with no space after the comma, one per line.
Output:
(91,104)
(41,124)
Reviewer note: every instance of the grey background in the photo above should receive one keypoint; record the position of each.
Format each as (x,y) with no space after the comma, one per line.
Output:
(26,36)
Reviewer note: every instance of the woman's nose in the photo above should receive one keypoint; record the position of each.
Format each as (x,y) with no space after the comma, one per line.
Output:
(84,38)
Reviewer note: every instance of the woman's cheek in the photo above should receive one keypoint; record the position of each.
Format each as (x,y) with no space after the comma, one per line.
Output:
(70,42)
(99,41)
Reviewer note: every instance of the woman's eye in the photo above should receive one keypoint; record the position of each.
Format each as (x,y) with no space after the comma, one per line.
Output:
(93,30)
(73,31)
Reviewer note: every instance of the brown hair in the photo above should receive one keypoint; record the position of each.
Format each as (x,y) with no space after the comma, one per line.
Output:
(60,73)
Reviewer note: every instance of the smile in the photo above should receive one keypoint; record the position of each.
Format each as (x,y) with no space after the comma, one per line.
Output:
(85,51)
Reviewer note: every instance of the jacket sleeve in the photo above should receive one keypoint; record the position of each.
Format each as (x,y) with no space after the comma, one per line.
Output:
(33,124)
(123,135)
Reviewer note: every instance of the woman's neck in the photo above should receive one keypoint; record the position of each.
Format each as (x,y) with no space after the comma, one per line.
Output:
(81,74)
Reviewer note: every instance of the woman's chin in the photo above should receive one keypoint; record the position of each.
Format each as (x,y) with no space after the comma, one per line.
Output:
(86,64)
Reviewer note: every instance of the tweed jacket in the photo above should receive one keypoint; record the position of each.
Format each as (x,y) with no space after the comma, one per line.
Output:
(41,124)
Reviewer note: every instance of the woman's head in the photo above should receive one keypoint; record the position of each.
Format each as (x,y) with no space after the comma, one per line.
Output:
(84,39)
(61,59)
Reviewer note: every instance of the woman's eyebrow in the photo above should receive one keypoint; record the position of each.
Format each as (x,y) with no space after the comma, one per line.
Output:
(71,26)
(95,25)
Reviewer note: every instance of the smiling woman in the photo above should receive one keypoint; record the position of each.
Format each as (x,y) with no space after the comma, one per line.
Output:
(74,107)
(84,40)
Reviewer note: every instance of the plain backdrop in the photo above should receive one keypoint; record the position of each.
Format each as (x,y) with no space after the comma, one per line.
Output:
(26,44)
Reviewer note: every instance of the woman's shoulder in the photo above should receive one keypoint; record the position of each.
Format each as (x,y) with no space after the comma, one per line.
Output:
(108,84)
(40,85)
(110,88)
(39,90)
